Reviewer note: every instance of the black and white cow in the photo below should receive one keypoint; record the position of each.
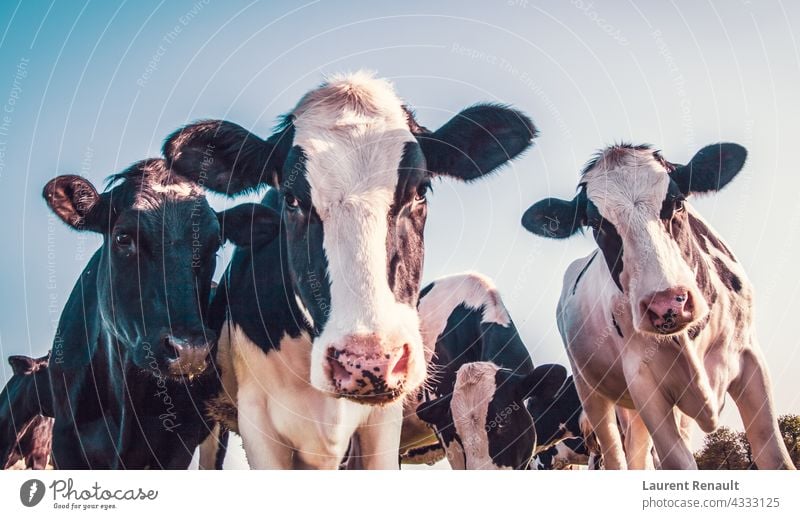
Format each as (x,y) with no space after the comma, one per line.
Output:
(319,332)
(565,454)
(481,375)
(660,317)
(562,428)
(129,362)
(26,432)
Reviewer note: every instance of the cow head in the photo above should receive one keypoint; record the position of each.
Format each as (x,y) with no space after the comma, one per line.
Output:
(22,365)
(160,240)
(635,203)
(353,170)
(484,424)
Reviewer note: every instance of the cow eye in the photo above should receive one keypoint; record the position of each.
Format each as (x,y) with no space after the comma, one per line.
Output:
(124,242)
(422,192)
(291,201)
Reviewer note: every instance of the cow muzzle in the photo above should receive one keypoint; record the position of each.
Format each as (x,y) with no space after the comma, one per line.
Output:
(364,369)
(188,357)
(668,311)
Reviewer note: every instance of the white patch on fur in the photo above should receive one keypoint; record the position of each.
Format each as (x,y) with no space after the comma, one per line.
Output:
(183,190)
(278,406)
(473,391)
(353,130)
(629,186)
(473,290)
(565,457)
(304,310)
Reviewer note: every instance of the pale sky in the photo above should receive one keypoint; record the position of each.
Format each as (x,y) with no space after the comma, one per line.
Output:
(90,88)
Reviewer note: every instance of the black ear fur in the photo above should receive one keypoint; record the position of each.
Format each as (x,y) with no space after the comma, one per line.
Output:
(711,169)
(21,365)
(477,141)
(226,158)
(435,412)
(544,381)
(556,218)
(76,202)
(249,225)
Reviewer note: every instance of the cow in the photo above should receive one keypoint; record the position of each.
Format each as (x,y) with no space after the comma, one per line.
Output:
(481,373)
(659,318)
(130,363)
(27,431)
(566,454)
(562,425)
(557,418)
(319,332)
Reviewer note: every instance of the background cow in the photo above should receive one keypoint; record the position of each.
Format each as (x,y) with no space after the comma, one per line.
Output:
(132,345)
(660,317)
(471,336)
(565,454)
(319,332)
(27,428)
(484,423)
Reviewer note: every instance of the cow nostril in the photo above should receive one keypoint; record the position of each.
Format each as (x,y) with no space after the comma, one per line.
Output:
(172,348)
(401,366)
(338,370)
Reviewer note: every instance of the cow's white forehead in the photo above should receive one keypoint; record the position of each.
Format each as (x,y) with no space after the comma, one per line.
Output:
(353,130)
(474,388)
(154,193)
(627,183)
(475,385)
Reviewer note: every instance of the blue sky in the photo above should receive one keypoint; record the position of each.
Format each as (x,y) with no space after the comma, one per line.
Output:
(90,87)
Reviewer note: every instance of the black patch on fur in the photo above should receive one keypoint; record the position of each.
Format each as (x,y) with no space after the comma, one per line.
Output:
(405,250)
(616,326)
(608,240)
(549,413)
(582,272)
(509,426)
(728,278)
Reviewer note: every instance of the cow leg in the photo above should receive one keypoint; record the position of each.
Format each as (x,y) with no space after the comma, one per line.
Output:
(602,416)
(380,438)
(752,392)
(637,442)
(212,449)
(262,444)
(658,415)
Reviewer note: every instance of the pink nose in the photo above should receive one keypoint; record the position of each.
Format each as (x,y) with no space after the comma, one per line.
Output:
(670,310)
(365,370)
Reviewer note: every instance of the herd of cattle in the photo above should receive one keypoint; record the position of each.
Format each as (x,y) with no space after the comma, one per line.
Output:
(319,348)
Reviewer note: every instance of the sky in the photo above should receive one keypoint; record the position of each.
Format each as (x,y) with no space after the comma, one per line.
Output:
(89,88)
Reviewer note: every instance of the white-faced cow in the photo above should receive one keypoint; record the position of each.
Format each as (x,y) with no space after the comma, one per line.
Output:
(481,375)
(132,346)
(320,330)
(26,427)
(660,317)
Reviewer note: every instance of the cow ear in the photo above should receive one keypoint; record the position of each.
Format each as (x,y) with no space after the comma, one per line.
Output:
(21,365)
(75,200)
(556,218)
(226,158)
(543,382)
(249,225)
(435,412)
(710,169)
(477,141)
